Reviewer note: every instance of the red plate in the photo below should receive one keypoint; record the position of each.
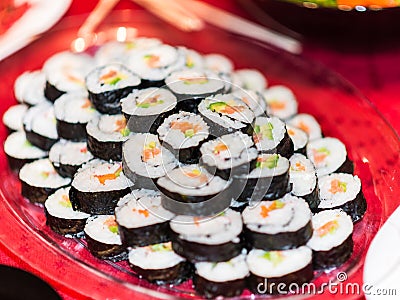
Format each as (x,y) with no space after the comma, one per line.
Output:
(340,109)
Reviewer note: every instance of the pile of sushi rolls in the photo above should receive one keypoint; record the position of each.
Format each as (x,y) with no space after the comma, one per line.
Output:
(308,124)
(211,239)
(65,72)
(253,99)
(40,126)
(270,136)
(281,102)
(269,180)
(13,117)
(191,190)
(73,112)
(229,155)
(183,134)
(226,279)
(329,155)
(144,160)
(159,264)
(341,190)
(272,272)
(20,151)
(146,109)
(141,219)
(304,180)
(332,242)
(39,179)
(299,139)
(249,79)
(97,187)
(60,216)
(102,237)
(67,157)
(281,224)
(105,136)
(108,84)
(29,87)
(226,114)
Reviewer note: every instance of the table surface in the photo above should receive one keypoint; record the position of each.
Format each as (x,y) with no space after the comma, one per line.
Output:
(376,73)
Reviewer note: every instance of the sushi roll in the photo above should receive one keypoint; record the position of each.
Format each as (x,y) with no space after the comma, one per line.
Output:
(211,239)
(19,151)
(39,180)
(308,124)
(299,139)
(29,87)
(332,242)
(65,72)
(304,180)
(249,79)
(191,190)
(183,134)
(73,112)
(60,216)
(340,190)
(193,59)
(13,117)
(105,136)
(103,240)
(144,160)
(230,155)
(275,272)
(329,155)
(40,126)
(141,219)
(253,99)
(146,110)
(159,264)
(97,187)
(226,114)
(67,157)
(216,279)
(218,63)
(270,136)
(268,181)
(108,84)
(278,225)
(281,102)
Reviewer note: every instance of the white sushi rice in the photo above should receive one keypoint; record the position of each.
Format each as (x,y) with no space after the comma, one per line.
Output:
(302,175)
(334,238)
(13,117)
(138,194)
(281,102)
(96,228)
(69,153)
(292,214)
(282,166)
(29,87)
(250,79)
(298,137)
(41,120)
(274,264)
(74,108)
(218,63)
(106,128)
(17,146)
(351,186)
(253,99)
(308,124)
(193,59)
(278,130)
(58,205)
(234,269)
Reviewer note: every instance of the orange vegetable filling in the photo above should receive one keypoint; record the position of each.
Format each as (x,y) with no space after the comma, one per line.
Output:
(274,206)
(329,227)
(220,147)
(337,186)
(152,60)
(111,176)
(276,105)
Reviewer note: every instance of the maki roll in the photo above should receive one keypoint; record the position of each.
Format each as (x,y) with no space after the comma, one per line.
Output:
(253,99)
(216,279)
(329,155)
(40,126)
(105,136)
(281,102)
(108,84)
(67,157)
(268,181)
(144,160)
(211,239)
(29,87)
(308,124)
(218,63)
(39,180)
(13,117)
(97,186)
(159,264)
(339,190)
(146,110)
(73,112)
(230,155)
(141,219)
(183,134)
(274,272)
(299,139)
(103,240)
(193,59)
(65,72)
(60,216)
(226,114)
(278,225)
(304,180)
(249,79)
(19,151)
(332,242)
(191,190)
(270,136)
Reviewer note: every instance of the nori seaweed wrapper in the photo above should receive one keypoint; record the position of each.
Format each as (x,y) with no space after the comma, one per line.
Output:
(146,124)
(210,289)
(111,252)
(66,170)
(16,164)
(36,194)
(66,227)
(146,235)
(216,130)
(190,155)
(346,167)
(313,199)
(188,104)
(75,132)
(109,102)
(104,150)
(225,174)
(285,147)
(146,83)
(39,141)
(51,92)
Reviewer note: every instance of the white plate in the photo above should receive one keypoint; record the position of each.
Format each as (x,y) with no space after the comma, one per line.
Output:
(41,15)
